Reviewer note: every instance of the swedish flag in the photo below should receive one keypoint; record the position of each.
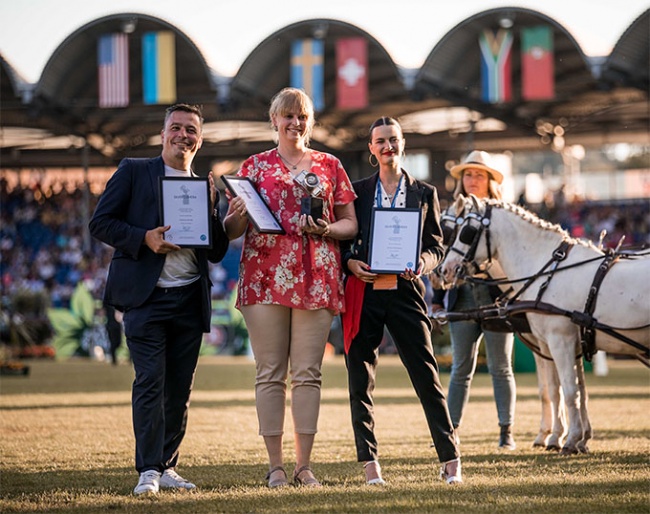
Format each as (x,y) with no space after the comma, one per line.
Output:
(307,69)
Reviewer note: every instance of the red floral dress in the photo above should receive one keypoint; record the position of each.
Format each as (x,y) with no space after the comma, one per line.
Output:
(295,270)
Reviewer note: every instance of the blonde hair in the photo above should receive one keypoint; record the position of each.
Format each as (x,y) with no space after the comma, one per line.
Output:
(293,100)
(493,187)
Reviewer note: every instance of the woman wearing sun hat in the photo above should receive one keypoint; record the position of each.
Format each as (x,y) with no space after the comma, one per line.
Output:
(477,175)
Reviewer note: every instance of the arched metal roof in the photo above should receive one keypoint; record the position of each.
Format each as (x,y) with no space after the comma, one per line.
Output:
(597,100)
(452,69)
(267,68)
(627,65)
(66,96)
(581,105)
(12,89)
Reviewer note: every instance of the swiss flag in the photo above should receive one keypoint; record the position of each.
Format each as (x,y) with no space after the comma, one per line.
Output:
(352,73)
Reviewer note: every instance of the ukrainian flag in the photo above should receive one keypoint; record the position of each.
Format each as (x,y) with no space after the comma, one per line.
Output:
(158,68)
(307,69)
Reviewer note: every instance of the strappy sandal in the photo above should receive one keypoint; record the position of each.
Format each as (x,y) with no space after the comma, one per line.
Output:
(308,479)
(451,479)
(278,482)
(372,468)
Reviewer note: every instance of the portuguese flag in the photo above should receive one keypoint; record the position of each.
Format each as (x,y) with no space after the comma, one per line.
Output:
(537,67)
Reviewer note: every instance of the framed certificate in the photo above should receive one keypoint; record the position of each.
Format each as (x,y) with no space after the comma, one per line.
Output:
(394,240)
(258,211)
(185,206)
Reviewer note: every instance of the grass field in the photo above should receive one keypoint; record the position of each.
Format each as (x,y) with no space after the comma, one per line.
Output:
(66,445)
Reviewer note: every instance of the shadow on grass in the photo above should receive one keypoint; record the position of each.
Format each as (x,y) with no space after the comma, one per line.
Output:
(507,483)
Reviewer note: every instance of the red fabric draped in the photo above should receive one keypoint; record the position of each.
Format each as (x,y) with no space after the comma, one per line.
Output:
(354,290)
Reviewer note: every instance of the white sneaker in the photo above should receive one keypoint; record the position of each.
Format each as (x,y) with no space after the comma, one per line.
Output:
(171,479)
(149,483)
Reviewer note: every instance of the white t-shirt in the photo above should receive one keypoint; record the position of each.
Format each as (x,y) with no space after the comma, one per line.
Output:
(181,267)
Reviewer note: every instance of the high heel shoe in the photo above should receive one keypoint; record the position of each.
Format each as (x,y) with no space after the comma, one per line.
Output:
(277,482)
(450,473)
(373,473)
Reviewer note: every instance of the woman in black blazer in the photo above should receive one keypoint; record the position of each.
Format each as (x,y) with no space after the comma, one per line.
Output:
(375,301)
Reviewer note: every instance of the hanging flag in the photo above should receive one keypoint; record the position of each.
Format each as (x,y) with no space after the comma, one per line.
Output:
(158,68)
(352,73)
(496,70)
(307,69)
(113,70)
(537,66)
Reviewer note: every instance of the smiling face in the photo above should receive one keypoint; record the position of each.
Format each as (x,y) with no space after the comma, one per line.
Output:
(181,139)
(387,144)
(476,182)
(292,126)
(292,116)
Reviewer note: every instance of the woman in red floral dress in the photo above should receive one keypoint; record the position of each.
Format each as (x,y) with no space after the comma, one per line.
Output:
(290,285)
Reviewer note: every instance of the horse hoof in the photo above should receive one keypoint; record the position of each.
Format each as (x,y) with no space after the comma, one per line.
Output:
(553,448)
(568,451)
(583,449)
(538,445)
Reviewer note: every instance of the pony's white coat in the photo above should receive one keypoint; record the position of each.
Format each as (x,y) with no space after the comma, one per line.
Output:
(523,244)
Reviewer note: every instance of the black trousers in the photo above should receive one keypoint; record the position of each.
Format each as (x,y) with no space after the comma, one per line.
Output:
(164,337)
(403,312)
(114,330)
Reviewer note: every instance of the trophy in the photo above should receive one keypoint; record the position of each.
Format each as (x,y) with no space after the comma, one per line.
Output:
(311,205)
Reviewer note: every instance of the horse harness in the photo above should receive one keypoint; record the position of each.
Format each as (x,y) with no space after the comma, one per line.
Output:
(512,312)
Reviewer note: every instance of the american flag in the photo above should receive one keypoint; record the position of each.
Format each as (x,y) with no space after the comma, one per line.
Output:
(113,64)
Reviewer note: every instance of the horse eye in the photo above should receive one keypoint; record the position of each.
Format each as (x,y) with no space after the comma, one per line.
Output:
(467,235)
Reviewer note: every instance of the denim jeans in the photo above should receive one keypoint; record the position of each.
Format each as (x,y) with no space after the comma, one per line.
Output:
(466,338)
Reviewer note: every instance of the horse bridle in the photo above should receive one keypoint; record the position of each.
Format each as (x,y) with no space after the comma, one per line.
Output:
(470,234)
(449,225)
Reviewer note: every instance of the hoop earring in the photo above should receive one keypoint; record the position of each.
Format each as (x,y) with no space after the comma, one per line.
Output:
(376,163)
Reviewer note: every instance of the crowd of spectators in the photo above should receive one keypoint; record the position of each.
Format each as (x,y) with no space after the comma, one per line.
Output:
(44,246)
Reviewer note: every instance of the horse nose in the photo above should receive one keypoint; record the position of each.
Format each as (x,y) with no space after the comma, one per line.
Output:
(445,272)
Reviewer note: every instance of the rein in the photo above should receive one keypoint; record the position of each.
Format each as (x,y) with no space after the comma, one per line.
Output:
(525,306)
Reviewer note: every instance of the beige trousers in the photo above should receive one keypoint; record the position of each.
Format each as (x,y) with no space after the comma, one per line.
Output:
(286,340)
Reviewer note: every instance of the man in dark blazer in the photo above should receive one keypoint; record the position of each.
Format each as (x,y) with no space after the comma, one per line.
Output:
(164,292)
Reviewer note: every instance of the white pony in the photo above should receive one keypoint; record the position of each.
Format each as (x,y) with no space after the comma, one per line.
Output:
(553,425)
(557,284)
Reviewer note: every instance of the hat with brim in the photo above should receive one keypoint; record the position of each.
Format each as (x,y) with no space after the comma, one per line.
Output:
(478,160)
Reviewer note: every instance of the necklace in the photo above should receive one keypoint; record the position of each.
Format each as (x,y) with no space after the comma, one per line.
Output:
(293,166)
(390,195)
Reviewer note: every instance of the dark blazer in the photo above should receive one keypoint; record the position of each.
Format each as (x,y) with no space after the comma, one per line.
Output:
(127,209)
(419,195)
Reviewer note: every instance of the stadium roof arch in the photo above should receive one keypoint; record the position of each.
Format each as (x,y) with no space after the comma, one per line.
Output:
(598,100)
(267,70)
(627,64)
(453,71)
(65,99)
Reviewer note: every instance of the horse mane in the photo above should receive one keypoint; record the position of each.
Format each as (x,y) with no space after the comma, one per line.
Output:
(536,221)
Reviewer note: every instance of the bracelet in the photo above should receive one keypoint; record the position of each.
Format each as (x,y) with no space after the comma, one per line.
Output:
(326,232)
